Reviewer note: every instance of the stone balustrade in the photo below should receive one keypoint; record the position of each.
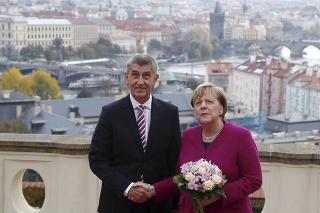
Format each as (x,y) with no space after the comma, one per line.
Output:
(291,174)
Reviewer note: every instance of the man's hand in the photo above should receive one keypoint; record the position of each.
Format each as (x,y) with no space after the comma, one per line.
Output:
(139,192)
(146,187)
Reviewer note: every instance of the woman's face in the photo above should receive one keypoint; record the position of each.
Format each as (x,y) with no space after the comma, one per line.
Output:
(207,109)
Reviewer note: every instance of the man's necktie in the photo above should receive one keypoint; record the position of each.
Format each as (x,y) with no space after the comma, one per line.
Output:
(142,126)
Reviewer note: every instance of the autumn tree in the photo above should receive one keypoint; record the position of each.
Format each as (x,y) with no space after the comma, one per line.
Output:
(45,86)
(200,47)
(25,85)
(39,83)
(11,79)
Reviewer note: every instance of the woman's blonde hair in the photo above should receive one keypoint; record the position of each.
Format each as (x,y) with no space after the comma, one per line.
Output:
(214,90)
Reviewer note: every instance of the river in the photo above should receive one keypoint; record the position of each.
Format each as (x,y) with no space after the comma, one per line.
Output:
(312,56)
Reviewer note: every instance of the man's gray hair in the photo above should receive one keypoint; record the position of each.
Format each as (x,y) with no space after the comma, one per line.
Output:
(141,60)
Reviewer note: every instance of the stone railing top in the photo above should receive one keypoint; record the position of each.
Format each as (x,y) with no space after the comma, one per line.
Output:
(287,153)
(290,153)
(64,144)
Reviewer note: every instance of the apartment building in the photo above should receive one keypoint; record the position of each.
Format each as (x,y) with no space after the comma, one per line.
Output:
(303,92)
(277,73)
(13,34)
(84,32)
(247,83)
(44,31)
(274,86)
(18,31)
(104,26)
(220,74)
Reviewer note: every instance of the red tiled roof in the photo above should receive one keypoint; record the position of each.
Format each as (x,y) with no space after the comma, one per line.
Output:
(223,67)
(114,37)
(312,81)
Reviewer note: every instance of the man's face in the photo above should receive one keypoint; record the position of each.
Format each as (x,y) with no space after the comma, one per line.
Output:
(140,80)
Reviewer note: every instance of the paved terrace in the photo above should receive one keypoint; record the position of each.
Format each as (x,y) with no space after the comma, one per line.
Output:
(291,174)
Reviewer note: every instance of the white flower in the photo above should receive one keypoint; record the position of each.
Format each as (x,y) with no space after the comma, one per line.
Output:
(208,185)
(201,170)
(204,163)
(217,170)
(216,179)
(189,176)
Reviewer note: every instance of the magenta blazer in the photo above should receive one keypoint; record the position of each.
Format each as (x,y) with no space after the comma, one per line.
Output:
(235,153)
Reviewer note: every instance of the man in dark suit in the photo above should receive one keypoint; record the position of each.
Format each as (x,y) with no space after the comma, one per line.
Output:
(117,154)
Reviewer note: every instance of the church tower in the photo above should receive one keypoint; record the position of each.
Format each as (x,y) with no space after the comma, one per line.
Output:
(217,22)
(244,17)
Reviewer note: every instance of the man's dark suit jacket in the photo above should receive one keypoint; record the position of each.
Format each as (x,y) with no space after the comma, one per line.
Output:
(117,158)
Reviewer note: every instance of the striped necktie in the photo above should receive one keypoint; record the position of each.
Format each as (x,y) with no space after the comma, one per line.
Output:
(142,126)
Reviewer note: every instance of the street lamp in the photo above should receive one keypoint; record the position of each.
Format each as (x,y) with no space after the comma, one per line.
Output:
(192,60)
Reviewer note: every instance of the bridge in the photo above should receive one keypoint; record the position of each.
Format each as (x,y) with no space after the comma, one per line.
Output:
(64,73)
(268,47)
(291,173)
(71,71)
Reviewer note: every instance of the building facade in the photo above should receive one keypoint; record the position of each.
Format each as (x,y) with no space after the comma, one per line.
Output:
(303,92)
(18,32)
(220,74)
(84,32)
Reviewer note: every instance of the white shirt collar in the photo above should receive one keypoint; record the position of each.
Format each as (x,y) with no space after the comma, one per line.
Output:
(135,103)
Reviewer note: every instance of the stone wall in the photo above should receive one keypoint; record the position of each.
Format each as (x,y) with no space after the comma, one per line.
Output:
(291,174)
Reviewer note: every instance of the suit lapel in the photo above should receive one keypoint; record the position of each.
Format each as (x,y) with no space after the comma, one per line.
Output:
(130,121)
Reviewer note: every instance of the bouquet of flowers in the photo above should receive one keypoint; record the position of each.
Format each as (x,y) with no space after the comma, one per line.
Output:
(202,179)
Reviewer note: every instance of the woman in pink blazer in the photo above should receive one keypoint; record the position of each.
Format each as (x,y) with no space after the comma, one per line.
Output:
(228,146)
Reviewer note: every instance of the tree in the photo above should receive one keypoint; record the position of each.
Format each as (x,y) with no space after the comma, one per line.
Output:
(50,54)
(45,86)
(31,51)
(39,83)
(200,47)
(206,50)
(104,42)
(11,79)
(57,42)
(25,85)
(193,83)
(86,52)
(154,45)
(140,50)
(117,49)
(84,93)
(215,44)
(15,126)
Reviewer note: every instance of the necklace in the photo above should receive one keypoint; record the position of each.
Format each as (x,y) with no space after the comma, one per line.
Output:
(210,137)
